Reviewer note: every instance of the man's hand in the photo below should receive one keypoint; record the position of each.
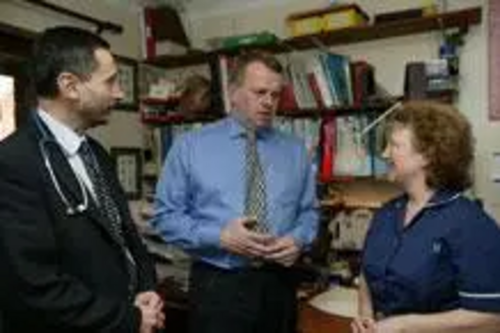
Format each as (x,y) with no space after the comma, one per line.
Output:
(284,251)
(239,239)
(151,306)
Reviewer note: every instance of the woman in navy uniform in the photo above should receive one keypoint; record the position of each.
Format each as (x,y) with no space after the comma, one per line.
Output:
(431,261)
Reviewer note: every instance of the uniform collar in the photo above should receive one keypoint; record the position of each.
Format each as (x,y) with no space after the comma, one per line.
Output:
(439,198)
(443,197)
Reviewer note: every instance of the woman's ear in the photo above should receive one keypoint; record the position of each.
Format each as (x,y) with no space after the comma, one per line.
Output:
(425,160)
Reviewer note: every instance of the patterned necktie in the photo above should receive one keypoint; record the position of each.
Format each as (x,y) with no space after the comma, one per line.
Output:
(255,185)
(108,208)
(102,191)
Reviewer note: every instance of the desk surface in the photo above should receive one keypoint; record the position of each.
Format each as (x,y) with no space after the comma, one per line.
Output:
(312,320)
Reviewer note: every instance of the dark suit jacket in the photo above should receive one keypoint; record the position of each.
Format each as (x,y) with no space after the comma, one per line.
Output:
(61,273)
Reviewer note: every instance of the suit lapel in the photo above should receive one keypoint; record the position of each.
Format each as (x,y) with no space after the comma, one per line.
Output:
(63,173)
(70,187)
(56,163)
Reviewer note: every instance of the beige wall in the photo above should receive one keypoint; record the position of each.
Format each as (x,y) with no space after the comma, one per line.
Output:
(125,128)
(388,56)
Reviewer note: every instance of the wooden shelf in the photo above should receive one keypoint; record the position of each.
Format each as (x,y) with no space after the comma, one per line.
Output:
(341,111)
(153,101)
(363,193)
(311,113)
(174,119)
(192,58)
(456,19)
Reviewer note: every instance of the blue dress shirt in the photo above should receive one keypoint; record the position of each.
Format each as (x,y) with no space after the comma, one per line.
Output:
(202,188)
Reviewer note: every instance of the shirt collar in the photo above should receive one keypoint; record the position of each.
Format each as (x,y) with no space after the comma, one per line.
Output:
(442,197)
(67,138)
(237,129)
(439,198)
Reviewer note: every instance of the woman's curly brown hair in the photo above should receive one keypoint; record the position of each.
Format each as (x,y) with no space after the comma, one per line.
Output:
(444,136)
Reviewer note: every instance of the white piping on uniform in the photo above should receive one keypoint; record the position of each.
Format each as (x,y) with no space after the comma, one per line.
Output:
(454,197)
(478,295)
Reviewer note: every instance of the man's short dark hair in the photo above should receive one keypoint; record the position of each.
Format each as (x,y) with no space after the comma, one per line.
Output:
(242,62)
(63,49)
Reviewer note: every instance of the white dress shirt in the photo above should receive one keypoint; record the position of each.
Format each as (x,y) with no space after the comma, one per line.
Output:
(70,142)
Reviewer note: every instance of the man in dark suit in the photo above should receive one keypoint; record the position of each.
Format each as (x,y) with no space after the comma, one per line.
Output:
(71,259)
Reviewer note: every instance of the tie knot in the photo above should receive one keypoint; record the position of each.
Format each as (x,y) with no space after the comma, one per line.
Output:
(251,134)
(85,152)
(84,148)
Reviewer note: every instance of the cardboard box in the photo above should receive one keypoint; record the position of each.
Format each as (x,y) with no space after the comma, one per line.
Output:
(327,19)
(349,16)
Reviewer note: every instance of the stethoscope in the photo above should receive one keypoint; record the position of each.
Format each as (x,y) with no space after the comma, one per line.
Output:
(71,209)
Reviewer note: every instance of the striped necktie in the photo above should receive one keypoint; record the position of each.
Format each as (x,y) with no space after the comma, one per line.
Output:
(255,185)
(109,208)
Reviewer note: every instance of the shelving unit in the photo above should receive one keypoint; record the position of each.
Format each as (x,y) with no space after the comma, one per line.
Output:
(456,19)
(175,119)
(311,113)
(341,111)
(166,102)
(460,19)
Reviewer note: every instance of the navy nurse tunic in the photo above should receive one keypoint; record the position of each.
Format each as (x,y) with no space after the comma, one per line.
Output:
(448,257)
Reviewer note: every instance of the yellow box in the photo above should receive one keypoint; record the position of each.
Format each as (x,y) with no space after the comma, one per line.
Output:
(306,26)
(350,17)
(327,19)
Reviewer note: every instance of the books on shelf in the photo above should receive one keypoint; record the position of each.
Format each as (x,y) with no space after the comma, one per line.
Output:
(318,81)
(297,76)
(318,89)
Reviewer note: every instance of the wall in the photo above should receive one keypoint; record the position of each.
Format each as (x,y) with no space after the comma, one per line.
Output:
(389,57)
(125,128)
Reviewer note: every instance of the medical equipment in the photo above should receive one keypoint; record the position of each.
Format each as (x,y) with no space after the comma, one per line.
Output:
(71,208)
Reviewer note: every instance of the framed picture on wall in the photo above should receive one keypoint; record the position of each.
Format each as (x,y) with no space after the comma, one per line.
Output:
(127,76)
(128,164)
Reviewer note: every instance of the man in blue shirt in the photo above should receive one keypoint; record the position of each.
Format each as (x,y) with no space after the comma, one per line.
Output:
(244,233)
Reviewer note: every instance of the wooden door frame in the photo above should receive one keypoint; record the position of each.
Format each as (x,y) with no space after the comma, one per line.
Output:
(15,49)
(15,42)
